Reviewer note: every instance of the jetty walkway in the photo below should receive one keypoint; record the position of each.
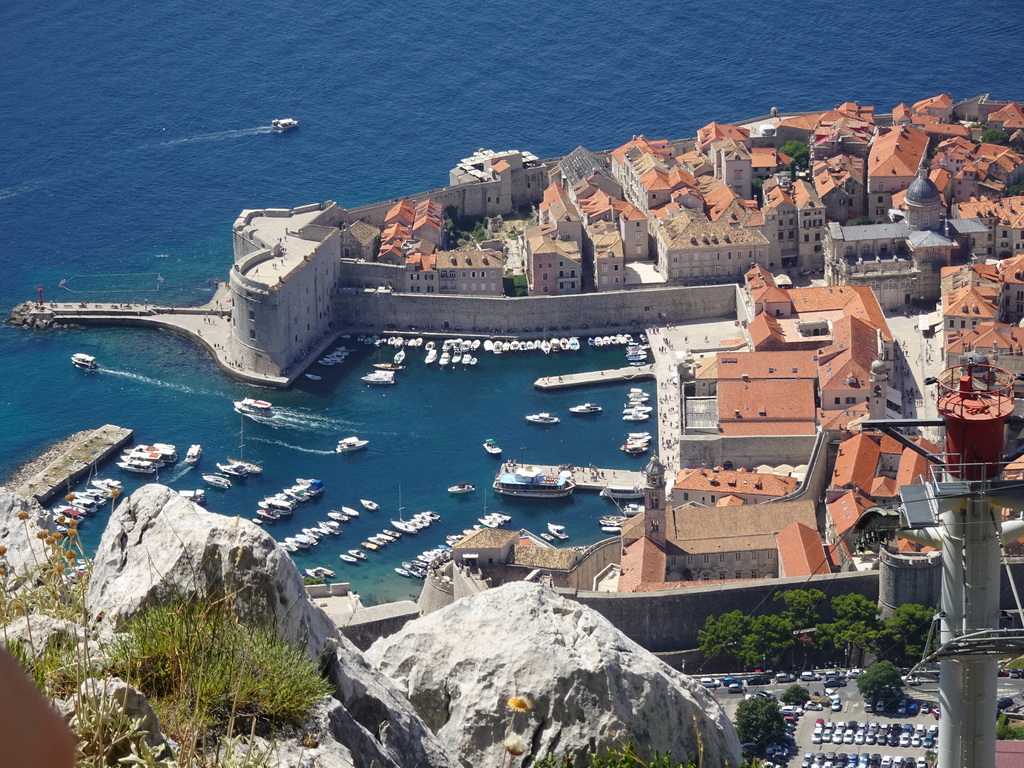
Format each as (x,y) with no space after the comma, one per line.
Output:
(69,462)
(592,479)
(590,378)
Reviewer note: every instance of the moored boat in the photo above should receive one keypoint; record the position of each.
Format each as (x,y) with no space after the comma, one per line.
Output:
(585,408)
(217,481)
(369,506)
(492,447)
(542,418)
(379,377)
(194,452)
(461,488)
(531,482)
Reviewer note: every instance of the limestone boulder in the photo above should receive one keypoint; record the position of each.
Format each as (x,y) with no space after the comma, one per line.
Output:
(590,686)
(20,523)
(103,692)
(158,545)
(37,632)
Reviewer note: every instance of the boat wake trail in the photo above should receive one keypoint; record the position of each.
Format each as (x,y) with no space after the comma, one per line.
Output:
(18,189)
(147,380)
(218,136)
(176,474)
(291,447)
(306,420)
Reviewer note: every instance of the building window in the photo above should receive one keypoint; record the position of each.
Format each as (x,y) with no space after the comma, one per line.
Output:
(738,575)
(851,400)
(753,574)
(707,558)
(721,557)
(738,555)
(770,553)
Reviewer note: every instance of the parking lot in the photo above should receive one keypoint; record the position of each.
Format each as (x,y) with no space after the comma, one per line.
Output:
(846,735)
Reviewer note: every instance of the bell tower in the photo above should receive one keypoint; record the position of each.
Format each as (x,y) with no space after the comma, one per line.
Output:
(654,502)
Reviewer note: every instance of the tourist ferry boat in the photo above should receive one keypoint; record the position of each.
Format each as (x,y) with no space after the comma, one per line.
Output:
(282,124)
(380,377)
(542,418)
(194,452)
(251,407)
(82,360)
(585,408)
(531,482)
(623,491)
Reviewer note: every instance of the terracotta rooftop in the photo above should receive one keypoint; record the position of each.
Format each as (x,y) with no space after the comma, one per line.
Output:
(554,558)
(731,481)
(856,300)
(486,538)
(766,365)
(897,153)
(1007,212)
(846,511)
(979,302)
(766,407)
(800,551)
(643,562)
(1011,116)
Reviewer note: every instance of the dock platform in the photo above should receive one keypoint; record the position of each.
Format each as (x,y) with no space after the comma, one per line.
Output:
(590,479)
(590,378)
(73,461)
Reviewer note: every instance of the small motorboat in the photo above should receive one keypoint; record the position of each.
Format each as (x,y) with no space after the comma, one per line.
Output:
(194,452)
(461,488)
(542,418)
(492,447)
(340,517)
(369,506)
(84,361)
(379,377)
(313,377)
(348,444)
(585,408)
(319,572)
(217,481)
(348,558)
(370,546)
(358,554)
(282,124)
(350,512)
(198,496)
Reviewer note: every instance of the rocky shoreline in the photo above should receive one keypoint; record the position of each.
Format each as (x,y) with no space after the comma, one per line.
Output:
(26,315)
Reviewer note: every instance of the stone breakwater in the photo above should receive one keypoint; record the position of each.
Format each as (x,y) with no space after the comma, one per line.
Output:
(34,466)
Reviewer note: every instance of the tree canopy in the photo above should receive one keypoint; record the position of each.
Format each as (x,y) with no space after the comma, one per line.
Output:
(880,681)
(759,721)
(796,694)
(995,136)
(798,152)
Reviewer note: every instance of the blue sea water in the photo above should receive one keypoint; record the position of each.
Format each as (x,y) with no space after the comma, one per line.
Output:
(134,133)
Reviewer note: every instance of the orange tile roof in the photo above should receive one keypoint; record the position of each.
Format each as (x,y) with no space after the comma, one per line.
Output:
(915,468)
(897,153)
(972,300)
(766,365)
(848,418)
(942,101)
(846,511)
(900,112)
(766,332)
(766,157)
(402,212)
(1007,212)
(989,336)
(715,131)
(854,109)
(729,501)
(767,407)
(642,562)
(800,122)
(500,166)
(800,551)
(657,147)
(1011,116)
(856,300)
(733,481)
(1011,270)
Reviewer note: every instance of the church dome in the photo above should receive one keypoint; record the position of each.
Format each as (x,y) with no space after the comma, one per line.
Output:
(878,368)
(922,191)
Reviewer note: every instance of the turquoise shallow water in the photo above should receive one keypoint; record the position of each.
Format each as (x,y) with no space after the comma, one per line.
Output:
(136,132)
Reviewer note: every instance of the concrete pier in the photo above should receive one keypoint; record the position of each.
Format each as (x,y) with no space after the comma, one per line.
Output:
(591,479)
(72,462)
(590,378)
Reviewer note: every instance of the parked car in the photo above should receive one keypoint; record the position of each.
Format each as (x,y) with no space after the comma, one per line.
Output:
(809,675)
(1004,702)
(737,688)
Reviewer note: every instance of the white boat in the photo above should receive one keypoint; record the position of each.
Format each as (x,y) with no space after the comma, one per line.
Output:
(241,464)
(313,377)
(341,517)
(635,449)
(638,394)
(369,506)
(106,484)
(630,415)
(585,408)
(492,447)
(556,529)
(446,358)
(545,347)
(282,124)
(616,529)
(637,408)
(461,488)
(475,345)
(380,377)
(632,509)
(622,491)
(431,356)
(82,360)
(348,558)
(250,407)
(350,512)
(194,452)
(574,344)
(198,496)
(399,357)
(347,444)
(488,346)
(542,418)
(138,466)
(320,573)
(217,481)
(358,554)
(497,348)
(233,468)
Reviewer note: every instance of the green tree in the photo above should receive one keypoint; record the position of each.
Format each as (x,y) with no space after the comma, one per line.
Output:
(723,635)
(903,635)
(861,220)
(995,136)
(796,694)
(855,628)
(798,153)
(767,638)
(1015,190)
(801,606)
(1007,732)
(880,681)
(759,721)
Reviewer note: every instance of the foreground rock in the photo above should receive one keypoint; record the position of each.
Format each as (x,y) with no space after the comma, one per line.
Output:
(590,685)
(158,545)
(24,551)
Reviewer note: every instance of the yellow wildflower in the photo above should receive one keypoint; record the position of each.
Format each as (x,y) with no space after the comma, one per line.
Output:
(519,704)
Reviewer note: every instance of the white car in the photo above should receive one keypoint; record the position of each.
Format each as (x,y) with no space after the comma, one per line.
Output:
(837,705)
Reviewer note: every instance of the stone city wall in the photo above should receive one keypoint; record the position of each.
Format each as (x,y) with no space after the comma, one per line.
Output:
(628,309)
(668,620)
(745,450)
(595,560)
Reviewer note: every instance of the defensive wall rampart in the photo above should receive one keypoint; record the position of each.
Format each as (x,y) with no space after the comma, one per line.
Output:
(376,621)
(744,450)
(668,620)
(633,309)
